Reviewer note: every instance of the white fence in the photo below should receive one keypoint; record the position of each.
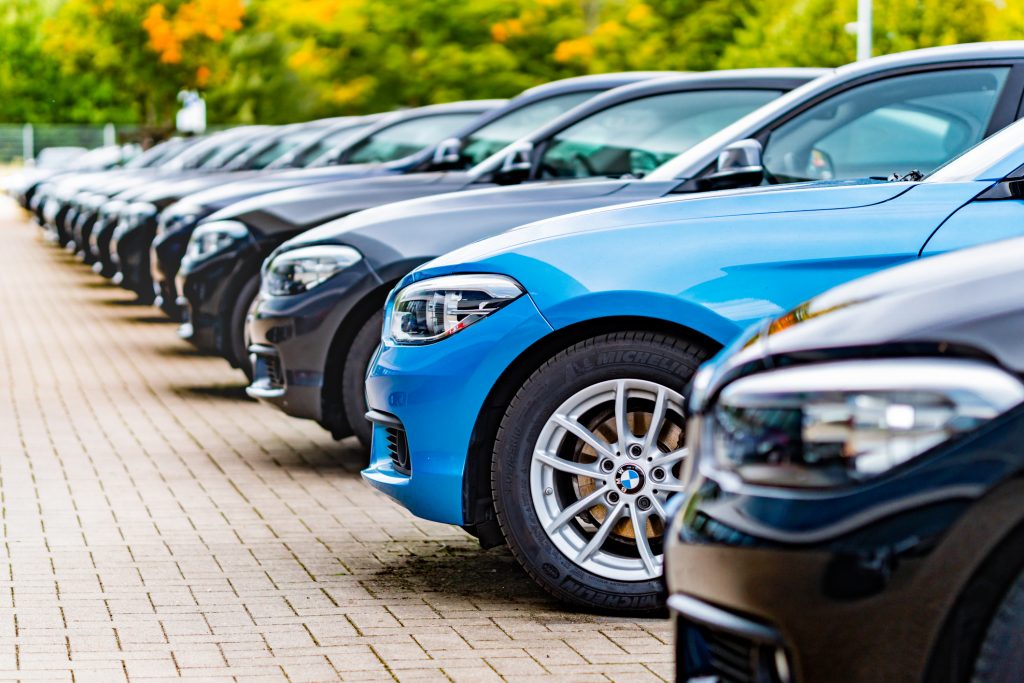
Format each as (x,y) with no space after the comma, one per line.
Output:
(19,142)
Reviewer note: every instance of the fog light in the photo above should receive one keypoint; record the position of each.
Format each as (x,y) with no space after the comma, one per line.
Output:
(782,671)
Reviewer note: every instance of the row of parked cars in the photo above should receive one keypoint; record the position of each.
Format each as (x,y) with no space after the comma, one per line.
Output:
(615,323)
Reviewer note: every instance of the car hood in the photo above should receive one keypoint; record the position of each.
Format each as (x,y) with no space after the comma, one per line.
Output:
(419,229)
(162,191)
(216,198)
(653,215)
(302,208)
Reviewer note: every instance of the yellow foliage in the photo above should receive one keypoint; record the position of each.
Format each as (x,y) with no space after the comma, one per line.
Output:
(575,49)
(353,91)
(639,13)
(503,30)
(608,29)
(210,19)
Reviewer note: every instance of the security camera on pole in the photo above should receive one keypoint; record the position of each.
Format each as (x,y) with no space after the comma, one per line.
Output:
(191,118)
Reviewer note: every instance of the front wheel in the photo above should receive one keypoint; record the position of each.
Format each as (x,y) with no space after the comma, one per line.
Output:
(238,343)
(353,378)
(587,455)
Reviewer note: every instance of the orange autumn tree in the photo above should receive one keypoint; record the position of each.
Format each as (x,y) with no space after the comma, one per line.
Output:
(150,50)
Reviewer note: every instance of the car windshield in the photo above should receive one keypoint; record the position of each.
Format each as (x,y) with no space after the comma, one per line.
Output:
(633,138)
(227,152)
(506,129)
(407,137)
(328,144)
(281,145)
(899,124)
(972,164)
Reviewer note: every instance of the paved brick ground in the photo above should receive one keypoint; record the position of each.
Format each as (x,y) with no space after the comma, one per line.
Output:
(156,524)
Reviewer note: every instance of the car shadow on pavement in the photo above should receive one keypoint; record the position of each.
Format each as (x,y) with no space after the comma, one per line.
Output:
(345,457)
(179,350)
(462,572)
(231,392)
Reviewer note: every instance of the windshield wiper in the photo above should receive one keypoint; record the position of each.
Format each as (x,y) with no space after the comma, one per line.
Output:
(912,177)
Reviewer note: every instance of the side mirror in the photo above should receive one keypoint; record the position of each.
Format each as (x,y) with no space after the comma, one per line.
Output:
(448,153)
(517,165)
(739,165)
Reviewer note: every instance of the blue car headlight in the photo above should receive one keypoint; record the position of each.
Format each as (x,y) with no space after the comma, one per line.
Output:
(300,270)
(434,309)
(839,423)
(212,238)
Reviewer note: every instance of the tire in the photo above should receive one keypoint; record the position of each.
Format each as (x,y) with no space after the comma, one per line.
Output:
(1001,657)
(586,559)
(353,377)
(238,341)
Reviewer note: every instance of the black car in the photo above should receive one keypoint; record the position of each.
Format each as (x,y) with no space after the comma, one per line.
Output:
(380,148)
(855,496)
(205,156)
(133,236)
(312,342)
(219,298)
(374,157)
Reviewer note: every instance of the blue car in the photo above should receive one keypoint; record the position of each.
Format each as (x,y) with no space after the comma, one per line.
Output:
(530,386)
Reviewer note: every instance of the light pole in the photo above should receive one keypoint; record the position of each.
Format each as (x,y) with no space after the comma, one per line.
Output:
(865,24)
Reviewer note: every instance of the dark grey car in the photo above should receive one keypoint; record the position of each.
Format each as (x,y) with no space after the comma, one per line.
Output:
(894,114)
(624,133)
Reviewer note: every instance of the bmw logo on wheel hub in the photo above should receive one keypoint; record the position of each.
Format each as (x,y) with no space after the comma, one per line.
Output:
(629,479)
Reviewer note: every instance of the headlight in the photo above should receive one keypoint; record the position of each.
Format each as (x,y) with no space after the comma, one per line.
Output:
(433,309)
(299,270)
(840,423)
(173,222)
(214,237)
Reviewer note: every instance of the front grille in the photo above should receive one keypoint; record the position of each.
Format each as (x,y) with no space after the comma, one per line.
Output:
(728,656)
(274,372)
(734,658)
(398,449)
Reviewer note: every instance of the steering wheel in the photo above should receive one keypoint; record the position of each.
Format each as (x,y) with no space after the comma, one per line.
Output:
(579,161)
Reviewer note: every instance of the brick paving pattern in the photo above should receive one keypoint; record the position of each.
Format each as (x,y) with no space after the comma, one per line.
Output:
(157,524)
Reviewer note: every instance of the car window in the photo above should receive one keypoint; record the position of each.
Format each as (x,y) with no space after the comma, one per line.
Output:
(281,146)
(226,153)
(328,143)
(505,130)
(896,125)
(407,137)
(635,137)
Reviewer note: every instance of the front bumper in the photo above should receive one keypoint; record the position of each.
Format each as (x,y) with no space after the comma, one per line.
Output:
(435,393)
(207,292)
(851,585)
(165,260)
(291,339)
(131,244)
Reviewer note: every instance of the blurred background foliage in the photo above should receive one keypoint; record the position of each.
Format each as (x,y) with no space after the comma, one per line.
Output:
(273,61)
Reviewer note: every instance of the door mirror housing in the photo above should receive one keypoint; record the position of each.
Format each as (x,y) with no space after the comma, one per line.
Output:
(447,154)
(517,165)
(740,164)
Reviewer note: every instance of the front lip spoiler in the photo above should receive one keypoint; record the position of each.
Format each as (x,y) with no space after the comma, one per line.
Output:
(705,614)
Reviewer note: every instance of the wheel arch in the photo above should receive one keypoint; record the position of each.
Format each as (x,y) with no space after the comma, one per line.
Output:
(477,507)
(974,608)
(332,412)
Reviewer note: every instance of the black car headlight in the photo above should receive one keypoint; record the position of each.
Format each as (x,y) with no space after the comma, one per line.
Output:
(300,270)
(214,237)
(434,309)
(839,423)
(172,222)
